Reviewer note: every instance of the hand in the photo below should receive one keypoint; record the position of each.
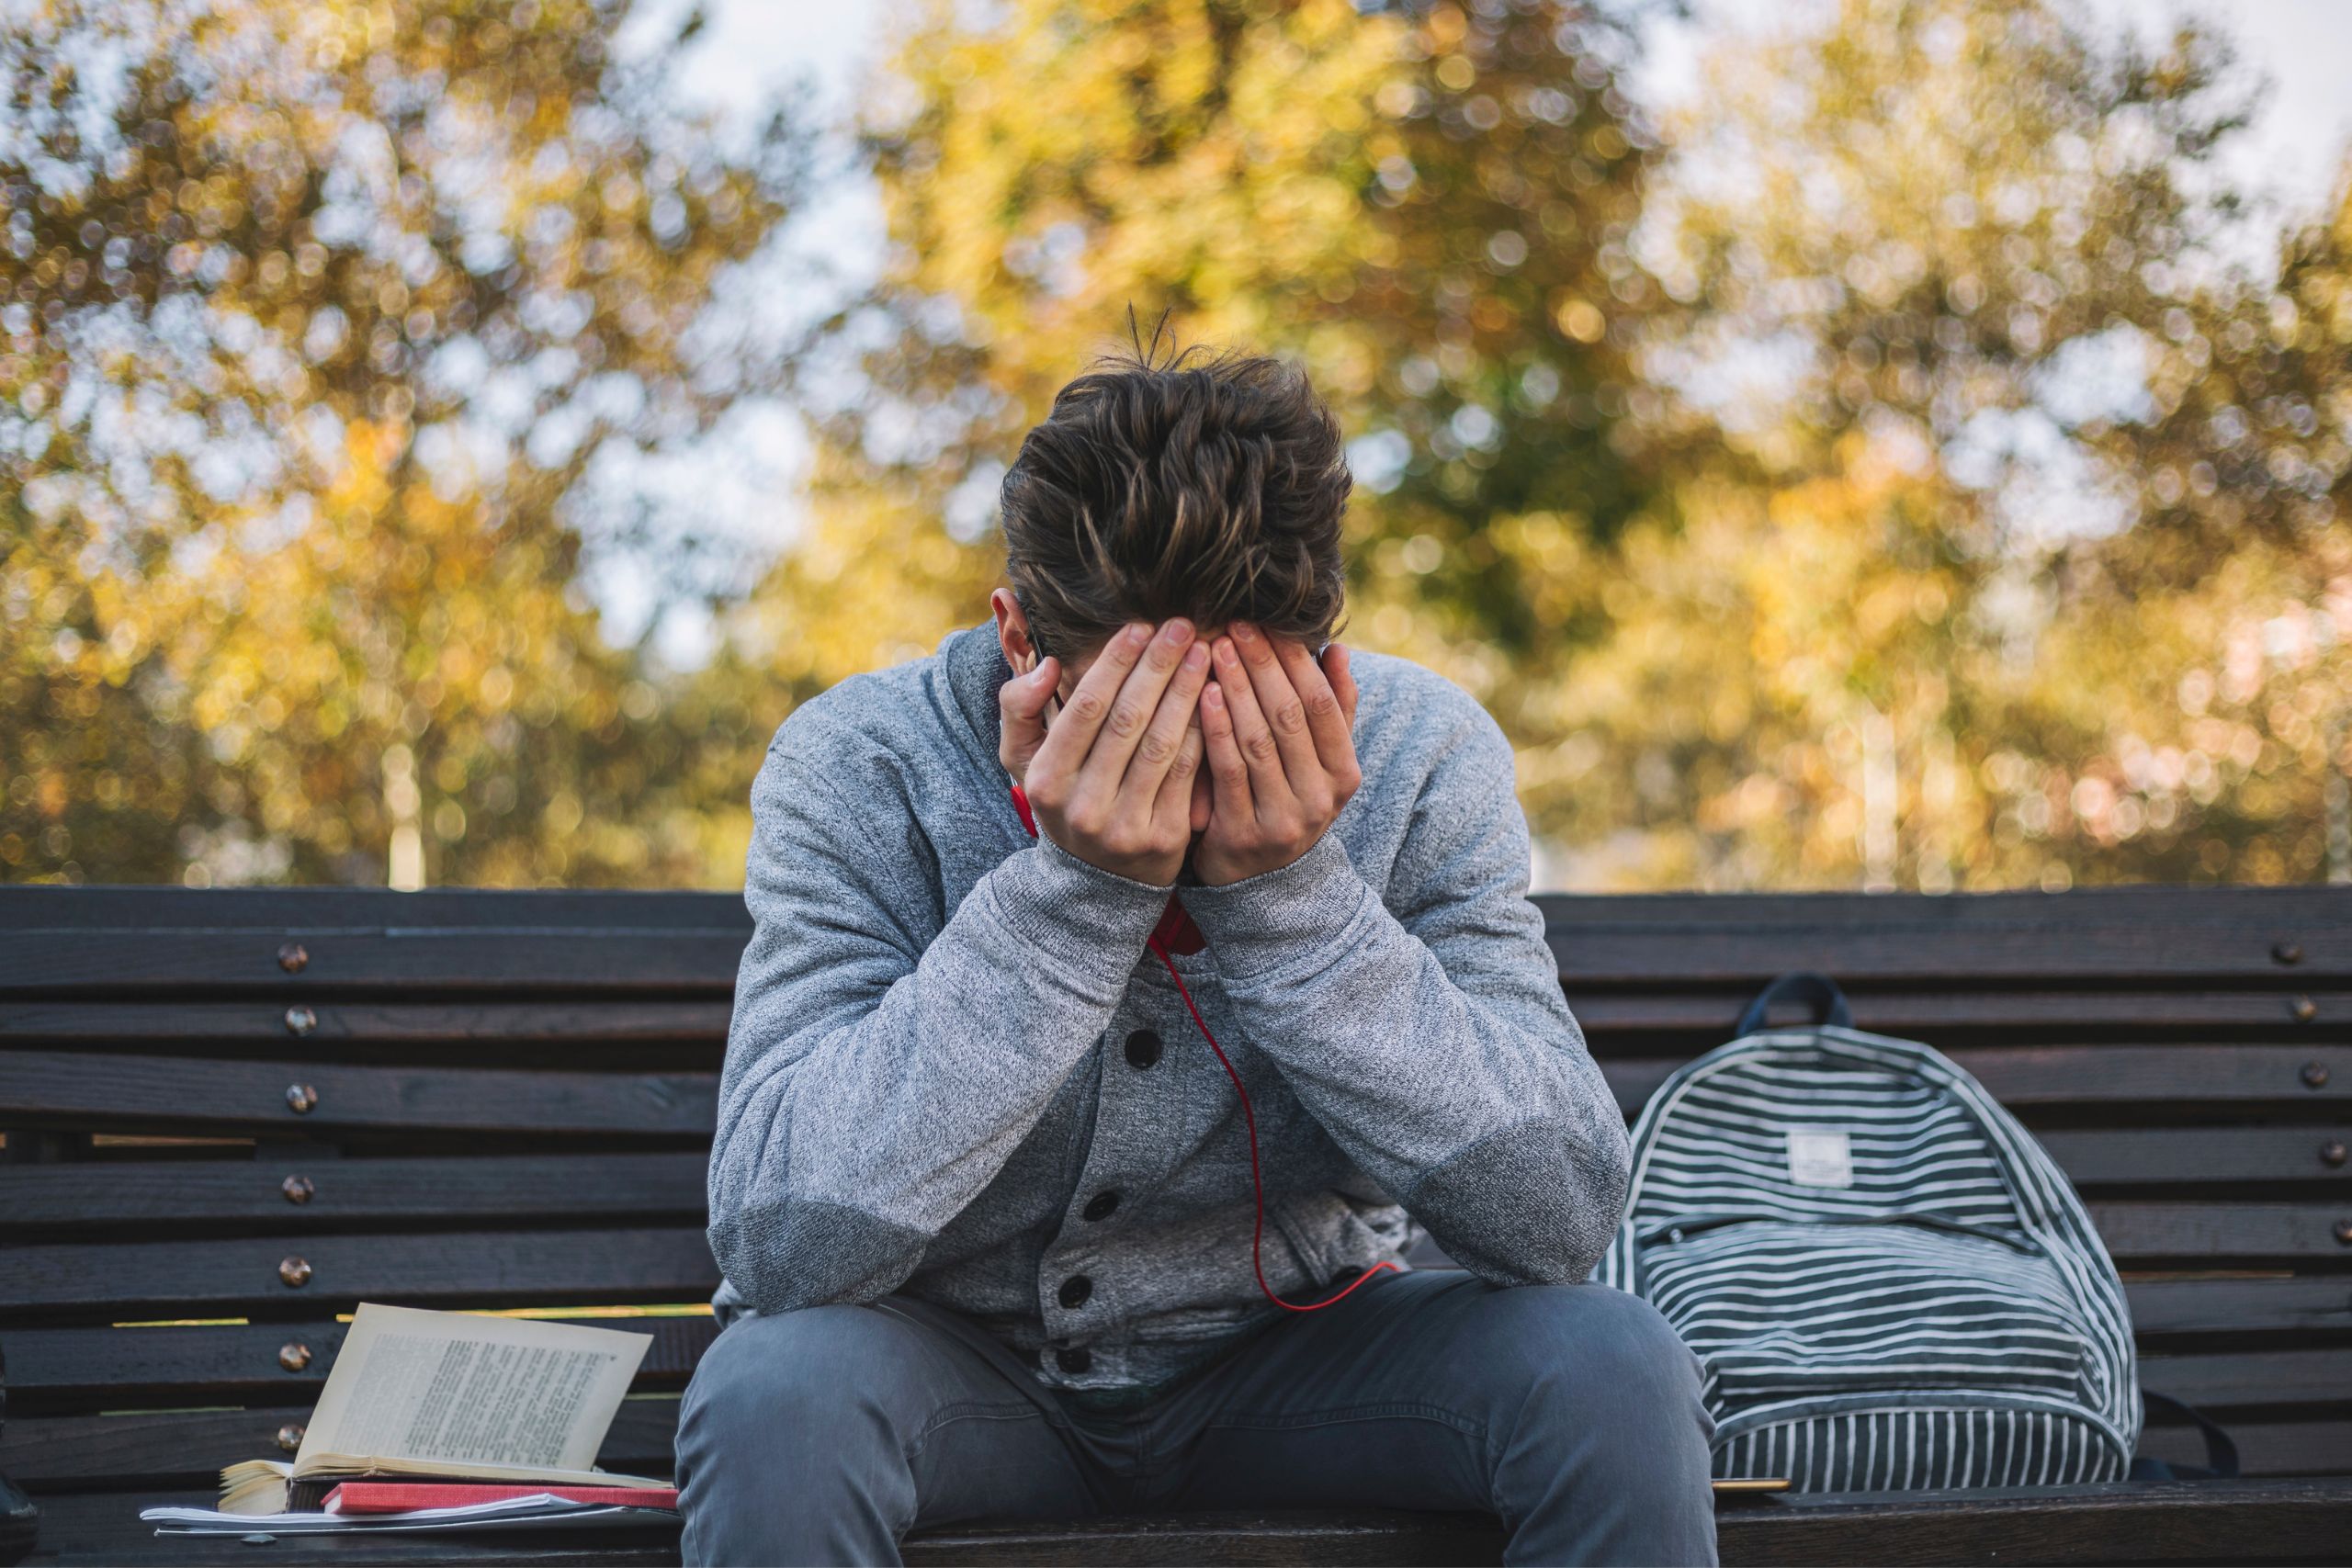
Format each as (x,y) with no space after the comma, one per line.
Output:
(1111,780)
(1281,760)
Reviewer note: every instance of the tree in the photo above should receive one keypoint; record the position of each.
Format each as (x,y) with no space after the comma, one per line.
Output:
(1426,206)
(319,313)
(1930,603)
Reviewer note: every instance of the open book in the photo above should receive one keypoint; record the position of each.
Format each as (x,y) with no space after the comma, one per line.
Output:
(454,1397)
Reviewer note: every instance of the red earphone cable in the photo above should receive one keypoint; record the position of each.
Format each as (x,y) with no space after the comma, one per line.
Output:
(1249,1119)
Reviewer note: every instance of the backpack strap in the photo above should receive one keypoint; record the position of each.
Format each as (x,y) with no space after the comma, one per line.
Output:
(2221,1449)
(1828,1001)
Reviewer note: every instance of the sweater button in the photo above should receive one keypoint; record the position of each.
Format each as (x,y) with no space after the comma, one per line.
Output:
(1075,1360)
(1101,1205)
(1075,1290)
(1142,1049)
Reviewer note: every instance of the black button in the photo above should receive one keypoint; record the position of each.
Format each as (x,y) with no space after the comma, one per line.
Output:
(1142,1049)
(1100,1206)
(1075,1360)
(1075,1290)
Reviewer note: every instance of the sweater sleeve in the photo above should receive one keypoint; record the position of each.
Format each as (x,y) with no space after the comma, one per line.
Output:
(1429,1034)
(879,1073)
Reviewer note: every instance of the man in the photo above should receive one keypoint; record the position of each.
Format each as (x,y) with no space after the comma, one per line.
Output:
(982,1190)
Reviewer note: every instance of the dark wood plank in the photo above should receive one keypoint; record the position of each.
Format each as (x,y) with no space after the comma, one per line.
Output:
(74,1371)
(91,1198)
(602,960)
(2287,913)
(2189,1315)
(2202,1158)
(1899,947)
(119,1093)
(2134,1077)
(297,910)
(182,1448)
(2246,1522)
(1641,1021)
(2212,1234)
(2252,1380)
(239,1276)
(550,1020)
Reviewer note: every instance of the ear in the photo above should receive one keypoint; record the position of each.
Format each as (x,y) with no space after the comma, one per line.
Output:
(1012,631)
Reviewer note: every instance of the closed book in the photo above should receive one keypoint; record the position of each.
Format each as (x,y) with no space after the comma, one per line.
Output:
(406,1497)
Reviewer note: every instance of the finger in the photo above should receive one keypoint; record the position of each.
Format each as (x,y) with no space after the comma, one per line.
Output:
(1020,708)
(1327,725)
(1278,700)
(1341,671)
(1269,784)
(1170,810)
(1132,710)
(1071,735)
(1163,741)
(1203,792)
(1229,774)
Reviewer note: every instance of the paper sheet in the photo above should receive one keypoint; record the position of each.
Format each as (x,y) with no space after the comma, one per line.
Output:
(471,1392)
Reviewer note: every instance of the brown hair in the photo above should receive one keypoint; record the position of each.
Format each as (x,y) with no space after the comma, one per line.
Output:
(1203,485)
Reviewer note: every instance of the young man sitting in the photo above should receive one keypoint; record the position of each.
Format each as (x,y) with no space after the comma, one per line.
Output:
(982,1188)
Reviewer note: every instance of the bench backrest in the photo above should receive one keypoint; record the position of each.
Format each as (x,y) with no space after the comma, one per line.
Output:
(231,1115)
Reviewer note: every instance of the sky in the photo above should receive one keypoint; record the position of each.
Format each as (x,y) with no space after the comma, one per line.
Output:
(751,52)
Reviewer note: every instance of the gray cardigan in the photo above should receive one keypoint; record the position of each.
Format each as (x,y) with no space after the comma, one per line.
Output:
(949,1043)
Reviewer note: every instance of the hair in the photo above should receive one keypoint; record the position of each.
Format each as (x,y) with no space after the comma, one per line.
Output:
(1203,484)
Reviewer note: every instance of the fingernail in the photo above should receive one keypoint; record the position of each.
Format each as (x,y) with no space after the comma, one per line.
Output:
(1245,631)
(1176,631)
(1139,633)
(1224,654)
(1213,695)
(1196,657)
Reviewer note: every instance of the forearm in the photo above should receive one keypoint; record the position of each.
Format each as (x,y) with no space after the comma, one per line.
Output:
(860,1113)
(1467,1095)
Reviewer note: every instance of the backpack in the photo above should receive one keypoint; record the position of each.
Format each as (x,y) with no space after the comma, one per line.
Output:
(1889,1282)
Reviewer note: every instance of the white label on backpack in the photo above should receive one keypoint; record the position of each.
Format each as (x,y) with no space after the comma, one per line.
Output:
(1820,1157)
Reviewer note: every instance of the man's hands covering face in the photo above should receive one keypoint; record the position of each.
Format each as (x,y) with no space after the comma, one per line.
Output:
(1111,780)
(1116,780)
(1281,755)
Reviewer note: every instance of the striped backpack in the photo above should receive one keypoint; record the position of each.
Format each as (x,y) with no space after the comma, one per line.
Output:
(1889,1282)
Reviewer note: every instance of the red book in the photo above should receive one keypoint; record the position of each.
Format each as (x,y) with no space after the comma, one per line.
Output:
(403,1497)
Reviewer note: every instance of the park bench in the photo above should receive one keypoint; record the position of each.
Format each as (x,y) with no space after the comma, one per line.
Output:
(231,1115)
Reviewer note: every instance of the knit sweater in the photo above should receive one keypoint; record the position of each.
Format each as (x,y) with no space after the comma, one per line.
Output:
(955,1072)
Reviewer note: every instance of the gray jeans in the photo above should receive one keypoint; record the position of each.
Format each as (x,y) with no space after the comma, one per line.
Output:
(1571,1411)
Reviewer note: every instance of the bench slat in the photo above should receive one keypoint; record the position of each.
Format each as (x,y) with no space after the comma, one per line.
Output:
(173,1094)
(1696,1018)
(104,1199)
(62,1371)
(599,960)
(169,1093)
(497,1188)
(551,1022)
(1615,1022)
(2196,1311)
(58,1371)
(1897,949)
(236,1277)
(2118,1078)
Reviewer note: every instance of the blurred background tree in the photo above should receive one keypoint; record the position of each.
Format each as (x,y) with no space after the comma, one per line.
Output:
(318,314)
(1887,470)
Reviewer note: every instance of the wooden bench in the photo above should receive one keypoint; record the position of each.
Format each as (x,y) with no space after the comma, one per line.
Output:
(253,1108)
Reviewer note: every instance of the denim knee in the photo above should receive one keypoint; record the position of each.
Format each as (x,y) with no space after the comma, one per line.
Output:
(1592,1354)
(788,1373)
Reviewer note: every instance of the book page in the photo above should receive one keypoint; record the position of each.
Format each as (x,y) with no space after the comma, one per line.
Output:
(461,1392)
